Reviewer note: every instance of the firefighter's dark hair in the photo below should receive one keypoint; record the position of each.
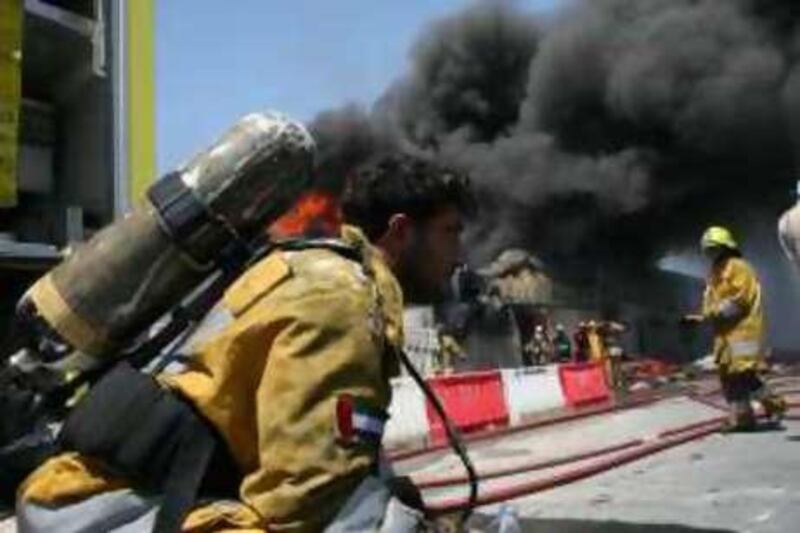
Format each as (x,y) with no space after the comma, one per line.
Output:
(403,184)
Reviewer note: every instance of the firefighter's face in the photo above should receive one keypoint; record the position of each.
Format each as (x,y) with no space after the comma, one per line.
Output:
(433,252)
(712,253)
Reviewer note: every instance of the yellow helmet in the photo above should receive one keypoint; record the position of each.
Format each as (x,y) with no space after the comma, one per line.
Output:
(716,237)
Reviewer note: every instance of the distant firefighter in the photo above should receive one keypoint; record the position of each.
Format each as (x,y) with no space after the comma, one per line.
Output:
(540,346)
(594,337)
(562,344)
(581,341)
(611,332)
(449,351)
(733,306)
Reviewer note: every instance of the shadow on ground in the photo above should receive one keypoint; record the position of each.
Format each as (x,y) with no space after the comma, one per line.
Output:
(483,523)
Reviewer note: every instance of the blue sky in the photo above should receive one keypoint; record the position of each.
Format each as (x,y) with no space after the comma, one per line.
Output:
(217,60)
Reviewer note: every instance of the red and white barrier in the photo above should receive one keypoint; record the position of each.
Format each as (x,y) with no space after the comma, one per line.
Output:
(480,400)
(473,400)
(583,383)
(408,421)
(531,391)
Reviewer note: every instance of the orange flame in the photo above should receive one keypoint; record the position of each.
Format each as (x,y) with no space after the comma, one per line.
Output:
(315,214)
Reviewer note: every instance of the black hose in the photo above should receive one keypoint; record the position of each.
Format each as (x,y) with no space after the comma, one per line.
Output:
(453,435)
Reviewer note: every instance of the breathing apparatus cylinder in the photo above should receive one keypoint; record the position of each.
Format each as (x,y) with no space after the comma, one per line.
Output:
(113,288)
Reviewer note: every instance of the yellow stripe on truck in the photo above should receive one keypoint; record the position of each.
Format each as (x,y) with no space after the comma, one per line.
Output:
(141,96)
(11,17)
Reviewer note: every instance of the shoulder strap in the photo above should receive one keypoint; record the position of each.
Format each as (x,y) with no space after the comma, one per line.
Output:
(338,246)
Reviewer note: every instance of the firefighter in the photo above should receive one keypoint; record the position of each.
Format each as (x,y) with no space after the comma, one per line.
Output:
(733,306)
(449,351)
(293,374)
(541,347)
(563,346)
(594,339)
(581,342)
(611,332)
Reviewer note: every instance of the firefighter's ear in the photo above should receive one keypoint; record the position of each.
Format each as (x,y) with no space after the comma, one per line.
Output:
(398,230)
(400,227)
(398,235)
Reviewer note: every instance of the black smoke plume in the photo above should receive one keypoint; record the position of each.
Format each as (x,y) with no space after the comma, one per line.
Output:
(605,135)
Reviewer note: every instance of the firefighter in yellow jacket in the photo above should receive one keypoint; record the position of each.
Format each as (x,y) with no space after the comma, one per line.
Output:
(733,305)
(292,371)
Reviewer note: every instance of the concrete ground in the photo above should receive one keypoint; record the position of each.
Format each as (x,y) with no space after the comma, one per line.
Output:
(737,482)
(744,482)
(558,440)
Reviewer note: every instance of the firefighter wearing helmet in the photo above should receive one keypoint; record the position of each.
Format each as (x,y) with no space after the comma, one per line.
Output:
(733,306)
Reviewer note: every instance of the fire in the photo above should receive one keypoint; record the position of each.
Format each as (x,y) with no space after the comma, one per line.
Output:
(315,214)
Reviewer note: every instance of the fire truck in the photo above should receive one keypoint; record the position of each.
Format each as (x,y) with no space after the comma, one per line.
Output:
(77,142)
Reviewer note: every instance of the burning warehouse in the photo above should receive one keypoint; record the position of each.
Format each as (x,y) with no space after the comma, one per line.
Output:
(604,139)
(494,312)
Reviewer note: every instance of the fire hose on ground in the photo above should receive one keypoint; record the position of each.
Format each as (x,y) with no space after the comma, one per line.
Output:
(674,438)
(450,480)
(562,419)
(620,454)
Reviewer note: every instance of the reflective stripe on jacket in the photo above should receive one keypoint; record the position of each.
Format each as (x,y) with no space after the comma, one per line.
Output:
(733,303)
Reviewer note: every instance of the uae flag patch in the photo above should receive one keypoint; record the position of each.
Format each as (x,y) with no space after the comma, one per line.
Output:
(358,421)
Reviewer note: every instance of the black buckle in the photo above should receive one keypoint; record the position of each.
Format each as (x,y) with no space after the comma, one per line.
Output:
(182,215)
(179,210)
